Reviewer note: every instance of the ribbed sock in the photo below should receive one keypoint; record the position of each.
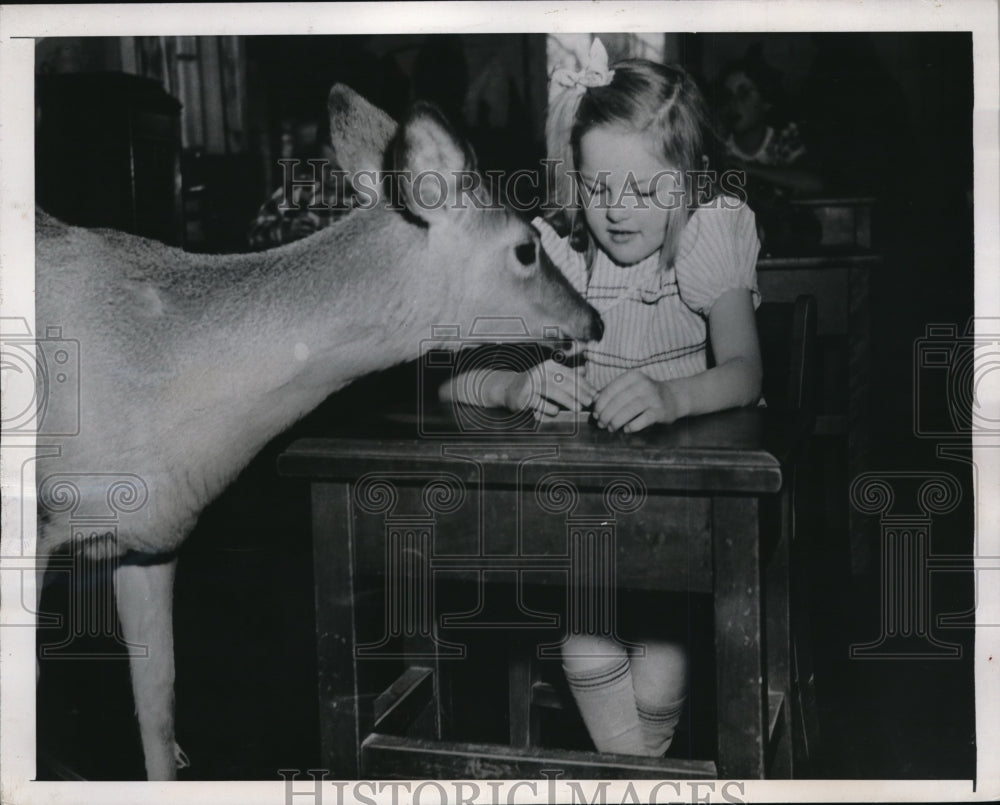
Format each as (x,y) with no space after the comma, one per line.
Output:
(604,694)
(659,674)
(658,724)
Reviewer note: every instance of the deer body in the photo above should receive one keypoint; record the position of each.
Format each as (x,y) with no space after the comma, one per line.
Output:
(198,361)
(190,364)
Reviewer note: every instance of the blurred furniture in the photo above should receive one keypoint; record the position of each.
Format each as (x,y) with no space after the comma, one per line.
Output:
(837,271)
(107,153)
(222,193)
(702,506)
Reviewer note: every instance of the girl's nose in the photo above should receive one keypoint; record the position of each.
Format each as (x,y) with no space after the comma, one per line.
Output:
(617,212)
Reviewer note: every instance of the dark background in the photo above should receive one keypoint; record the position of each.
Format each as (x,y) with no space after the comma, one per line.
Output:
(885,115)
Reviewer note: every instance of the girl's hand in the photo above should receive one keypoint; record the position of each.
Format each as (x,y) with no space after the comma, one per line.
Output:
(548,388)
(632,402)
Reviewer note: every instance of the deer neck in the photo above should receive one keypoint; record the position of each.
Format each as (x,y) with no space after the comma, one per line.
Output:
(327,311)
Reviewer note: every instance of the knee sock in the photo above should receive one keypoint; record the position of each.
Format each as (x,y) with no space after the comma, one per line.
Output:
(659,675)
(602,689)
(658,724)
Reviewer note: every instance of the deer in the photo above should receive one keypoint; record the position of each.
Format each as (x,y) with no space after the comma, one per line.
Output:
(191,363)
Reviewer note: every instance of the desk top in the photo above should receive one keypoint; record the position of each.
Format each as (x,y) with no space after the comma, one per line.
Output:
(743,450)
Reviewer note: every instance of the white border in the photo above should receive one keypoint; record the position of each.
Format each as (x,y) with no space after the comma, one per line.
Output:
(17,703)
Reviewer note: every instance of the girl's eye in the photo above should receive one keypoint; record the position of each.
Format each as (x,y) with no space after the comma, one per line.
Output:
(525,253)
(600,193)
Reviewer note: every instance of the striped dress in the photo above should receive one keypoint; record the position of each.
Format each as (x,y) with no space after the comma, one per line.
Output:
(656,321)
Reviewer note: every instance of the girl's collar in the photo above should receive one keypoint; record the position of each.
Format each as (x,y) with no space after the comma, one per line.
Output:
(647,263)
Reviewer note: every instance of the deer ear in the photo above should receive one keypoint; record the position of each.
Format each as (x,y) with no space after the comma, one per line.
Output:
(360,132)
(432,162)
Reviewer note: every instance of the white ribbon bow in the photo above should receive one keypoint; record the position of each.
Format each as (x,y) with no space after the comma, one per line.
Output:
(595,72)
(566,88)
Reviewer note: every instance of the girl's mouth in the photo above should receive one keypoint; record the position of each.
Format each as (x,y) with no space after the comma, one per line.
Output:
(621,235)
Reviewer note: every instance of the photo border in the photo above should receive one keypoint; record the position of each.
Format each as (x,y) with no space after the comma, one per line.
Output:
(20,25)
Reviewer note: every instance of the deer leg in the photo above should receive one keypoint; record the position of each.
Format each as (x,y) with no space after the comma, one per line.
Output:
(144,594)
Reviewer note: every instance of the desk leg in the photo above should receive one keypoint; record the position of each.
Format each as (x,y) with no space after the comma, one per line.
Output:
(741,676)
(339,714)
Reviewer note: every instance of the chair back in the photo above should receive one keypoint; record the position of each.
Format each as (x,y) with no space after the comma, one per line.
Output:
(787,332)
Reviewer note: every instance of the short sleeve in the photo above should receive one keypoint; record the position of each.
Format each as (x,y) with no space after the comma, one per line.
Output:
(571,263)
(718,252)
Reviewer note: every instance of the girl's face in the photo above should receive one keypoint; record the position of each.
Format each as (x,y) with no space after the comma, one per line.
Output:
(745,107)
(628,192)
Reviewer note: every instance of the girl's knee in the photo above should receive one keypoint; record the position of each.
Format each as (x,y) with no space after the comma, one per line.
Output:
(661,670)
(672,656)
(582,653)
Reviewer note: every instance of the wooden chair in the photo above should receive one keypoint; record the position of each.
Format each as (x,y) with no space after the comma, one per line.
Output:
(791,379)
(407,722)
(787,334)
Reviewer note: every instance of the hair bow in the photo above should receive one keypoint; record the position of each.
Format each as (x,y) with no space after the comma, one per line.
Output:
(566,88)
(595,72)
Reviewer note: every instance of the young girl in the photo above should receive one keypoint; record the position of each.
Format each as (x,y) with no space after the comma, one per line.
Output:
(668,267)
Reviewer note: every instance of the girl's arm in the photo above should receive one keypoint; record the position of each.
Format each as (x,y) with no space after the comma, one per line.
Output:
(486,387)
(735,380)
(547,388)
(633,401)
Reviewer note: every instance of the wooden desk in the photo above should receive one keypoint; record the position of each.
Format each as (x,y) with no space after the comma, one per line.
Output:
(674,507)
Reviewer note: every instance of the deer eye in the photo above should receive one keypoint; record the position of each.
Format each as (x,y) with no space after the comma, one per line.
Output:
(525,253)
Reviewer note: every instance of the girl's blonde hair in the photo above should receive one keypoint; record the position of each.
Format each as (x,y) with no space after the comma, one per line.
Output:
(663,101)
